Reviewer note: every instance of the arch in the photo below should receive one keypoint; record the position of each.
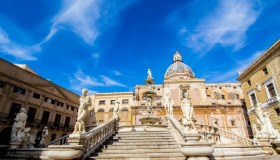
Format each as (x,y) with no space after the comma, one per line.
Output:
(100,110)
(5,136)
(125,109)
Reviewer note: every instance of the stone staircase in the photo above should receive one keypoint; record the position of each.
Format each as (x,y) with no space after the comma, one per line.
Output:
(141,145)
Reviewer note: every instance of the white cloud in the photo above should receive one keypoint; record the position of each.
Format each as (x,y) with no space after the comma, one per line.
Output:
(7,46)
(79,16)
(226,26)
(81,80)
(110,82)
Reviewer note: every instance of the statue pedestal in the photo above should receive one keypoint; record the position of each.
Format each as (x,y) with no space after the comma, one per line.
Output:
(14,144)
(276,145)
(266,145)
(77,139)
(194,149)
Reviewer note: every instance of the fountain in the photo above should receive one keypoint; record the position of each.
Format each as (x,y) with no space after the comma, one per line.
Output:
(149,96)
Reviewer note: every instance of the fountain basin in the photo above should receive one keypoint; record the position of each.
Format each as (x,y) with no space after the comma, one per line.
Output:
(149,120)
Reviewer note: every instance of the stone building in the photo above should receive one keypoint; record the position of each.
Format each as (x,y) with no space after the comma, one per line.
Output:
(260,83)
(224,101)
(46,103)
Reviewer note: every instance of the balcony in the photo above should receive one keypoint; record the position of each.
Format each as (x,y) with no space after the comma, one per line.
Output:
(273,100)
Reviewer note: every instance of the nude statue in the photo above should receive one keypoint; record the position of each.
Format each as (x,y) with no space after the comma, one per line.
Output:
(85,102)
(116,108)
(19,124)
(171,104)
(45,134)
(24,137)
(188,113)
(149,73)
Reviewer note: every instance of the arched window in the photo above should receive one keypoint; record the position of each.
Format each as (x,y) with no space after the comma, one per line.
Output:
(100,110)
(111,109)
(124,109)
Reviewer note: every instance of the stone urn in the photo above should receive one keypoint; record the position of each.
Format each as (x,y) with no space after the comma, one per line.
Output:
(196,150)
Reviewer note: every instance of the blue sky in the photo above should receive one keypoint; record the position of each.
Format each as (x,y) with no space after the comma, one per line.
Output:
(108,45)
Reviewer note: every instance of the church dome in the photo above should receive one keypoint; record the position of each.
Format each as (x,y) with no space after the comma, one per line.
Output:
(178,69)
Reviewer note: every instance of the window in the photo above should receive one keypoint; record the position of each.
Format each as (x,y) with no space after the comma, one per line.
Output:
(31,114)
(57,120)
(220,87)
(2,84)
(270,89)
(223,97)
(60,104)
(19,90)
(265,72)
(124,109)
(112,101)
(36,95)
(249,83)
(232,122)
(53,136)
(67,122)
(125,101)
(101,102)
(72,108)
(100,110)
(253,99)
(49,100)
(277,110)
(15,108)
(111,109)
(91,113)
(45,118)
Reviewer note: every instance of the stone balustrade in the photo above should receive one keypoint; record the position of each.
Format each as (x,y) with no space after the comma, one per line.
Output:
(214,134)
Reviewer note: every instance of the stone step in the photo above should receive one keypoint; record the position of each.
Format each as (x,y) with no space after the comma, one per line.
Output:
(141,158)
(135,151)
(117,147)
(144,155)
(129,143)
(145,137)
(145,140)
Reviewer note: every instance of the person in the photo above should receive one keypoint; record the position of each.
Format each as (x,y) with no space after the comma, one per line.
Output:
(19,124)
(149,73)
(85,102)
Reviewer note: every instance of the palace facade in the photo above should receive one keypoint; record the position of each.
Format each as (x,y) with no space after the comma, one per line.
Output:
(260,83)
(223,102)
(46,103)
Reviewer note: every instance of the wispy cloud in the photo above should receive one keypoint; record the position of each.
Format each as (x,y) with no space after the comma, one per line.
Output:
(233,73)
(79,16)
(226,26)
(81,80)
(23,52)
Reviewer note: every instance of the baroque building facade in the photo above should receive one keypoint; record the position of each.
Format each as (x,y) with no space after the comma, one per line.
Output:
(46,103)
(222,102)
(260,83)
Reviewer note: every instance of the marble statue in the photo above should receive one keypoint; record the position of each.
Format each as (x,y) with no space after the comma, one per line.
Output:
(170,106)
(32,138)
(268,125)
(85,102)
(116,108)
(149,106)
(44,136)
(166,101)
(149,73)
(24,137)
(188,113)
(19,124)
